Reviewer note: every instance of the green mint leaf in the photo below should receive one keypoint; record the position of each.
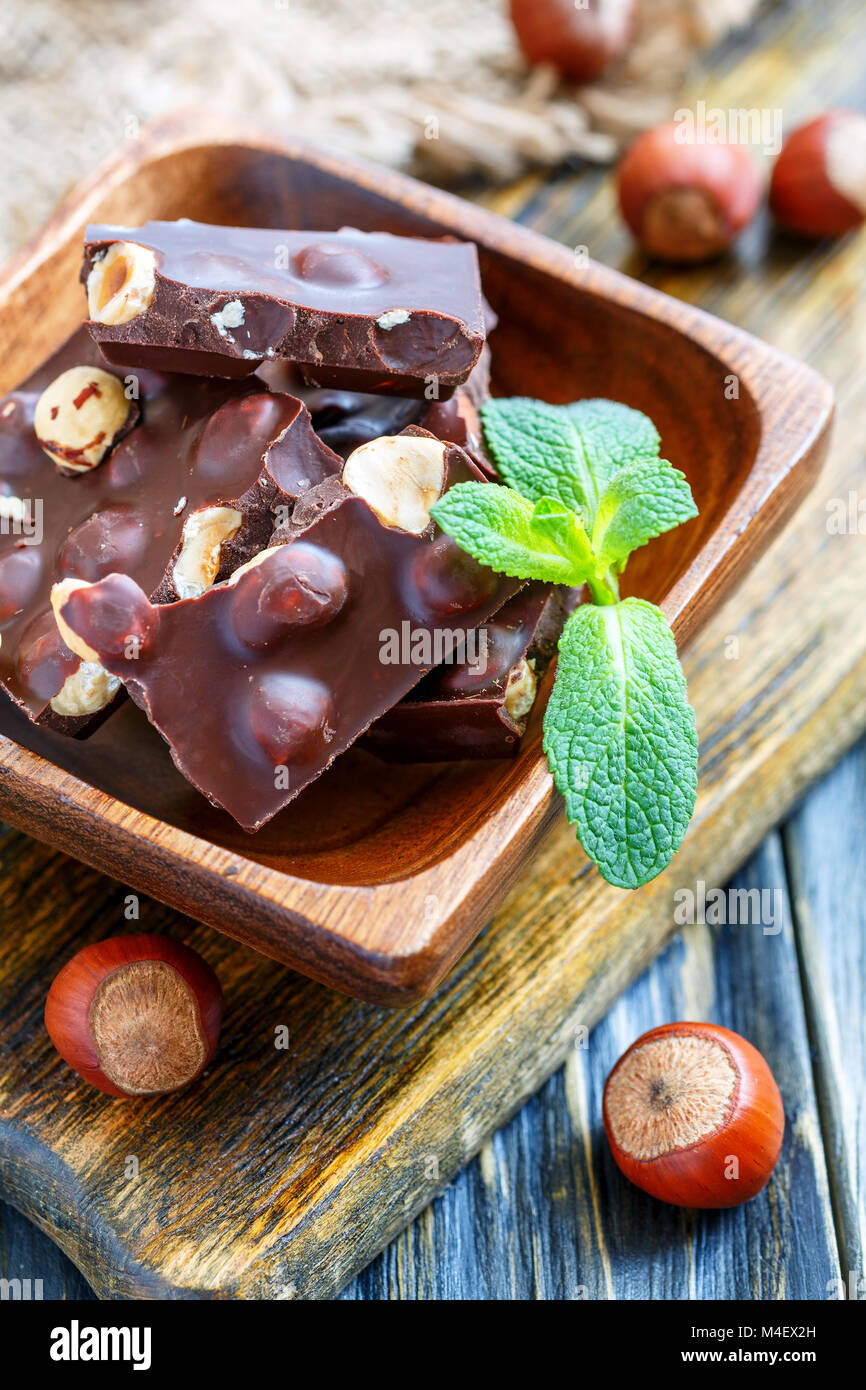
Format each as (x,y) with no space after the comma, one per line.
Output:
(537,451)
(568,452)
(612,435)
(641,501)
(495,525)
(620,739)
(550,518)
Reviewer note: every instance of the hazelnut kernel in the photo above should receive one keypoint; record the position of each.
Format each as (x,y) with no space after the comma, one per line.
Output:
(400,477)
(520,691)
(87,691)
(59,594)
(121,283)
(204,533)
(81,416)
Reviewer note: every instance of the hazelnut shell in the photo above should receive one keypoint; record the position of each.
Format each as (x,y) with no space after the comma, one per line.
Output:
(806,195)
(685,201)
(641,1104)
(89,1020)
(581,42)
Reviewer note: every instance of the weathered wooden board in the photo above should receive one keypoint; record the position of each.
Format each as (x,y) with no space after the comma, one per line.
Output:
(546,1214)
(542,1212)
(283,1173)
(825,847)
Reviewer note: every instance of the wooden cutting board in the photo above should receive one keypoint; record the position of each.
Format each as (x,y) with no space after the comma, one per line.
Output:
(288,1167)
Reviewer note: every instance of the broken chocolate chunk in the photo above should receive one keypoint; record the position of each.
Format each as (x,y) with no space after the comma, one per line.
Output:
(260,683)
(478,705)
(357,311)
(181,500)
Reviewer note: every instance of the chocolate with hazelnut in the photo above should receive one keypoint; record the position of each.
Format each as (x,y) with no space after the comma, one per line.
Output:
(259,684)
(178,502)
(358,311)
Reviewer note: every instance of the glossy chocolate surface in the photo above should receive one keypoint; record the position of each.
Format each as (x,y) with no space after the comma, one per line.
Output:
(200,442)
(346,419)
(259,684)
(459,710)
(361,311)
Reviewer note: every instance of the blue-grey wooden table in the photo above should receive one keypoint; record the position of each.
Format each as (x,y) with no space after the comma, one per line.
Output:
(523,1221)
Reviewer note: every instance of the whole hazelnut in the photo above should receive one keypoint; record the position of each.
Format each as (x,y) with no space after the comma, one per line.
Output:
(580,41)
(81,416)
(694,1116)
(685,201)
(818,187)
(135,1015)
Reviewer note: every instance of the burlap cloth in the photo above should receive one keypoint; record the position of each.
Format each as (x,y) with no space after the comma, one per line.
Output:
(437,86)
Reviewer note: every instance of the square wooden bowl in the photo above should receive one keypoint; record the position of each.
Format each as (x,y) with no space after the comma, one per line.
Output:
(378,877)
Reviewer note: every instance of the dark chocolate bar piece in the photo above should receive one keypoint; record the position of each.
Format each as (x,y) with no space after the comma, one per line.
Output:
(459,419)
(181,500)
(478,706)
(346,419)
(358,311)
(259,684)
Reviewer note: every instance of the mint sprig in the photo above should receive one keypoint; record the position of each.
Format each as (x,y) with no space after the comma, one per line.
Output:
(570,452)
(620,738)
(586,487)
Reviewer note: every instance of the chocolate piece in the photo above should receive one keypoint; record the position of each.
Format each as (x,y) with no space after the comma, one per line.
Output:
(259,684)
(479,705)
(459,419)
(358,311)
(346,419)
(200,445)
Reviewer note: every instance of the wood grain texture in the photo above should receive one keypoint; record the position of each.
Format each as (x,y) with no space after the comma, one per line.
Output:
(376,885)
(824,845)
(544,1213)
(540,1213)
(279,1177)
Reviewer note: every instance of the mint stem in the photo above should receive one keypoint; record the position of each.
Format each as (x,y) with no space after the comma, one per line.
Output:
(605,591)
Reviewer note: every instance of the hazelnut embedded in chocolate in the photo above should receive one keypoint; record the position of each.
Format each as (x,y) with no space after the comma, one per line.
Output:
(53,672)
(87,691)
(520,691)
(43,661)
(114,615)
(121,283)
(400,477)
(449,580)
(20,573)
(81,416)
(292,586)
(59,595)
(110,541)
(328,263)
(204,534)
(289,716)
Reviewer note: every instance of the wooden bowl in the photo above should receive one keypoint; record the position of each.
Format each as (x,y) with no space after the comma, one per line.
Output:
(377,878)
